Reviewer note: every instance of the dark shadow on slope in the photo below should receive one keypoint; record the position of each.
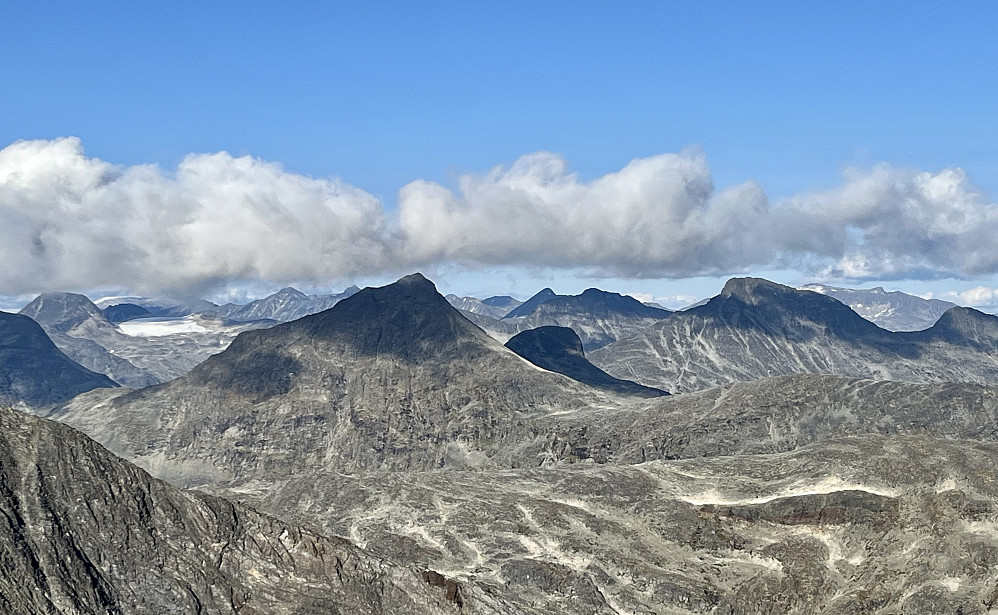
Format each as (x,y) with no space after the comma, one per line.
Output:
(559,349)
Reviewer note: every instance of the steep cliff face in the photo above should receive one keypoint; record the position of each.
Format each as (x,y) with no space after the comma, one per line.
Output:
(82,531)
(757,329)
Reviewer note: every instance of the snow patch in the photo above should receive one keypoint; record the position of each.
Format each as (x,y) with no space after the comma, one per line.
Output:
(157,327)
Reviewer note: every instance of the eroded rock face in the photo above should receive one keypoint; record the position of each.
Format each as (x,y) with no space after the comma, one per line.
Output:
(871,524)
(82,531)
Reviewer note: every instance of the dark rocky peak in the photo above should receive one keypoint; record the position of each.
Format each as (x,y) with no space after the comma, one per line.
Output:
(754,290)
(34,371)
(123,312)
(408,319)
(781,308)
(61,311)
(350,291)
(964,326)
(527,307)
(559,349)
(546,340)
(501,301)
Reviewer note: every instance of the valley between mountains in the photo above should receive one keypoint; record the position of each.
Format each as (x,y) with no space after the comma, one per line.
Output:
(391,450)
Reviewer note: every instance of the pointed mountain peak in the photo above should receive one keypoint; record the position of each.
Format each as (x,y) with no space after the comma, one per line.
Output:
(528,306)
(408,319)
(290,291)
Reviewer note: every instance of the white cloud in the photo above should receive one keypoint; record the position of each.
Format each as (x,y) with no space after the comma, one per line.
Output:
(657,216)
(217,222)
(977,296)
(70,222)
(661,217)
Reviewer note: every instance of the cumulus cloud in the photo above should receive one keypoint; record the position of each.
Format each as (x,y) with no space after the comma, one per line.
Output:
(974,297)
(657,216)
(69,221)
(662,217)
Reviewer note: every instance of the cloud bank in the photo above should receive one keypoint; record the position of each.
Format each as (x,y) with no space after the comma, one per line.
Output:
(69,221)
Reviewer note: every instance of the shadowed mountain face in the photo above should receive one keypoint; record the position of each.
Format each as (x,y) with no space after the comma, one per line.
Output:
(559,349)
(393,377)
(123,312)
(531,304)
(85,532)
(756,329)
(34,371)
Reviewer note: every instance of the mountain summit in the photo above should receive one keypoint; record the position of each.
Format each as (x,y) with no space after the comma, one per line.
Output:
(392,377)
(756,329)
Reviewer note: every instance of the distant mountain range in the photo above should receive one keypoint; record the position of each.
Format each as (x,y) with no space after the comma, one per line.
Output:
(894,311)
(756,329)
(598,317)
(493,307)
(285,305)
(81,330)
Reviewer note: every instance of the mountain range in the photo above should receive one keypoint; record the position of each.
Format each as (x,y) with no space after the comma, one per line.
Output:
(392,421)
(756,329)
(813,462)
(894,311)
(598,317)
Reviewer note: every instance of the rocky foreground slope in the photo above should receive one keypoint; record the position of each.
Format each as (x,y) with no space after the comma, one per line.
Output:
(82,531)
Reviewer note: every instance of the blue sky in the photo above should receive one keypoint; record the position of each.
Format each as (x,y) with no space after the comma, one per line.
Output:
(788,95)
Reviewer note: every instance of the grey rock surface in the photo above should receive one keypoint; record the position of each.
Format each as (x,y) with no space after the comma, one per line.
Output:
(757,329)
(870,524)
(82,531)
(286,305)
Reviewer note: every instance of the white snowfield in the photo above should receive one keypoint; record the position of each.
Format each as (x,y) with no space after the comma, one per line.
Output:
(156,327)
